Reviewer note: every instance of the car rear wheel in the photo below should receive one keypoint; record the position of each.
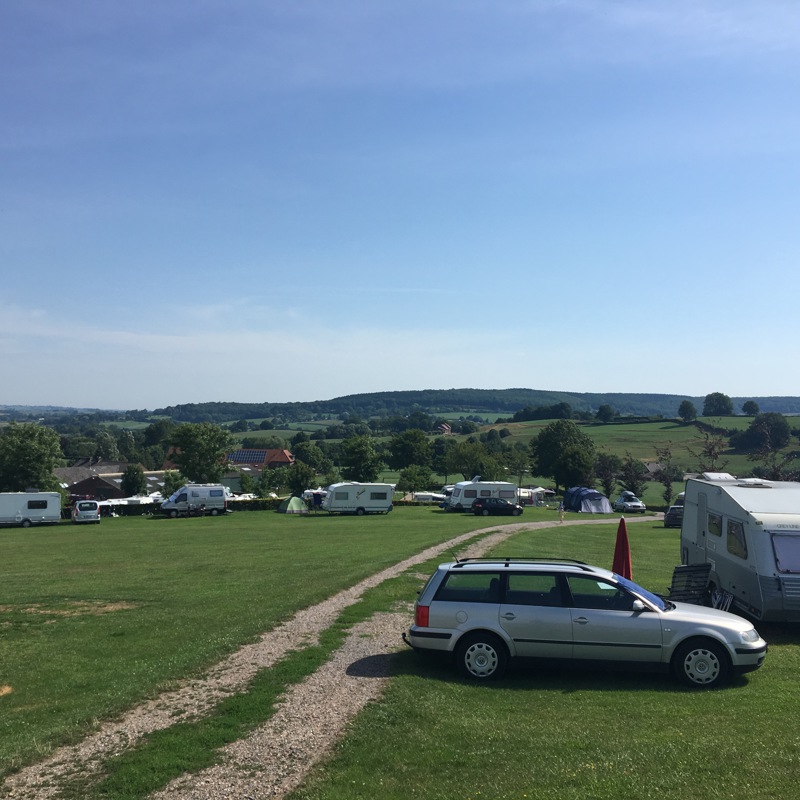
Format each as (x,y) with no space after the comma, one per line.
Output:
(484,512)
(481,656)
(701,663)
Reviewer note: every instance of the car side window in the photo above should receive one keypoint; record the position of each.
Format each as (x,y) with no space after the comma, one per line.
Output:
(470,587)
(590,592)
(532,589)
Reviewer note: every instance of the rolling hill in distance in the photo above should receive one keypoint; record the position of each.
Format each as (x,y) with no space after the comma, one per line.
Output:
(484,402)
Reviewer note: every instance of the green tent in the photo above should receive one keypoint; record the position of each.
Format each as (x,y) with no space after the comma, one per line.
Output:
(293,505)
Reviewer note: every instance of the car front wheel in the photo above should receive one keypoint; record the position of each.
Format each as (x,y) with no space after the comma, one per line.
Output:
(701,663)
(481,656)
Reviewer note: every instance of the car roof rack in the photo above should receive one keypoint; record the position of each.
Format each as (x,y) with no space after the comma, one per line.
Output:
(508,560)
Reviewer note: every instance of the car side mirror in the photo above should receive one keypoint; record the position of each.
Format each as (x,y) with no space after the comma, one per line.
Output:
(638,605)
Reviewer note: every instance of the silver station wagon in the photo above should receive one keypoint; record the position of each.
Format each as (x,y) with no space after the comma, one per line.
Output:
(486,612)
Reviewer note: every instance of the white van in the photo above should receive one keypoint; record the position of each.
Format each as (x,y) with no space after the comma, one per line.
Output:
(358,498)
(30,508)
(197,498)
(465,493)
(748,531)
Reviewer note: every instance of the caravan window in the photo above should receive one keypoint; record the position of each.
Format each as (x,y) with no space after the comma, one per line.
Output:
(377,495)
(472,493)
(486,492)
(37,503)
(339,495)
(787,551)
(737,546)
(715,524)
(509,494)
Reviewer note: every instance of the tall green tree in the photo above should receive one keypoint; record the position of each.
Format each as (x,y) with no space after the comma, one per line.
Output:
(201,451)
(750,408)
(565,453)
(469,458)
(360,459)
(710,453)
(607,467)
(299,477)
(172,482)
(413,479)
(687,411)
(717,404)
(133,481)
(412,447)
(29,453)
(107,448)
(633,475)
(606,413)
(668,473)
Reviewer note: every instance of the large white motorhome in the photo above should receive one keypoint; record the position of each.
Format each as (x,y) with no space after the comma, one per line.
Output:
(465,493)
(30,508)
(358,498)
(197,498)
(748,531)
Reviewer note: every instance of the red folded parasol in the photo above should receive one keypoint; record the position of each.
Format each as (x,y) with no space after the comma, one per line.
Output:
(622,552)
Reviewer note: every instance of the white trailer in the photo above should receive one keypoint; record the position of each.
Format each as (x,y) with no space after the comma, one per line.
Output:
(197,498)
(748,531)
(465,493)
(30,508)
(358,498)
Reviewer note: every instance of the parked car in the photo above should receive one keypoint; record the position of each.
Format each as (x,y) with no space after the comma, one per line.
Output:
(629,503)
(673,517)
(496,505)
(86,511)
(486,612)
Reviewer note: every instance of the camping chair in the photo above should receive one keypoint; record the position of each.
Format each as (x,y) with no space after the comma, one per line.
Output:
(690,584)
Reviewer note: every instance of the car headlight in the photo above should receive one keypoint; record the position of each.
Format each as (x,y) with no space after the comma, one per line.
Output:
(750,636)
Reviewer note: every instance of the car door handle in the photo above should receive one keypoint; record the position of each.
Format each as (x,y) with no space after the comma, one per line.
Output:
(581,621)
(508,615)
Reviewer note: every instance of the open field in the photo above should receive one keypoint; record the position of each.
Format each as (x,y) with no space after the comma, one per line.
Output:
(92,621)
(95,618)
(550,734)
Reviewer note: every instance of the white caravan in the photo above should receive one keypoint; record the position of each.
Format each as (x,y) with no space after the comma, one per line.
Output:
(30,508)
(748,530)
(197,498)
(358,498)
(465,493)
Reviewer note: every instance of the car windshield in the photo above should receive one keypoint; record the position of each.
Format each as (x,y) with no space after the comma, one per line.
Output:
(634,587)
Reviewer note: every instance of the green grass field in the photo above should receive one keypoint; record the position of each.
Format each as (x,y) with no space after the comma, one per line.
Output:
(551,733)
(95,619)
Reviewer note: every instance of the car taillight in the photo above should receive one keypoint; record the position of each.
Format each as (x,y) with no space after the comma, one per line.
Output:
(421,616)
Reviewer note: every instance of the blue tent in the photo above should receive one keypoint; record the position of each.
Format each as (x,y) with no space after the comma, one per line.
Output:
(581,498)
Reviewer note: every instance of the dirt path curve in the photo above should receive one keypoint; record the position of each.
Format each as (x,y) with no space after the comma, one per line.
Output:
(312,716)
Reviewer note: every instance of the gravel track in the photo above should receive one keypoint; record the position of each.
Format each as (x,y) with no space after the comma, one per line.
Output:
(310,718)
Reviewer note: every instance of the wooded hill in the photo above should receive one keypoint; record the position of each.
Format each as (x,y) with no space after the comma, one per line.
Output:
(488,403)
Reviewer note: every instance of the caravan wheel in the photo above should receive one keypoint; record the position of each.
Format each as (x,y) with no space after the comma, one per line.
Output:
(360,512)
(214,512)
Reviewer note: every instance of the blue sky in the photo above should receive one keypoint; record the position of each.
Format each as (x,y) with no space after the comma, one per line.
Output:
(264,201)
